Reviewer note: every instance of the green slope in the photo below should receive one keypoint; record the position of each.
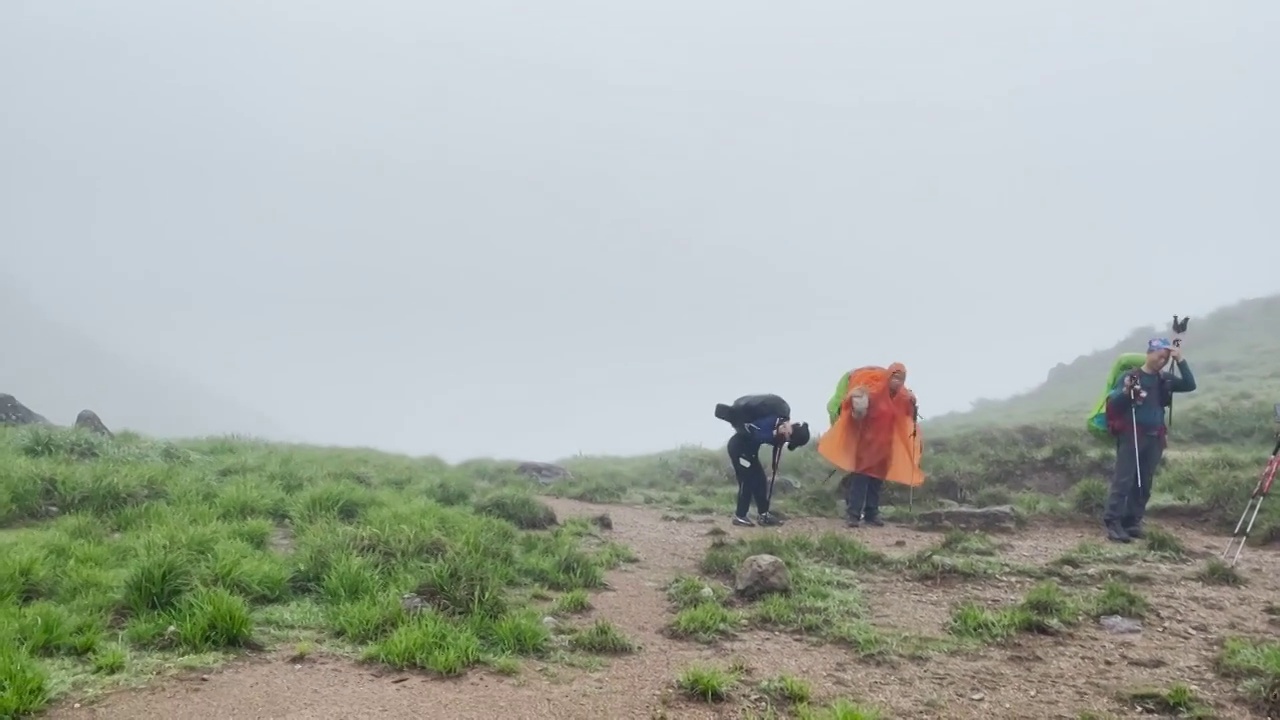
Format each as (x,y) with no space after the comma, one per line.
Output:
(1234,351)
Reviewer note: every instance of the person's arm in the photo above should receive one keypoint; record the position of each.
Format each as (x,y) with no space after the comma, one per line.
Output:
(1119,394)
(859,399)
(762,429)
(1184,381)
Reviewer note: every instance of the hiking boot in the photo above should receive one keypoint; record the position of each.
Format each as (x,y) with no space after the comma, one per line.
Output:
(852,522)
(1136,532)
(1115,533)
(742,521)
(876,521)
(767,519)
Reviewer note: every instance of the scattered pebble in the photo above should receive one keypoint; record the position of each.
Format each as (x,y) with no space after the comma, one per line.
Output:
(1117,625)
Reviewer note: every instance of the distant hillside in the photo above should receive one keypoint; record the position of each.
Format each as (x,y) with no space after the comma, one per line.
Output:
(57,372)
(1234,352)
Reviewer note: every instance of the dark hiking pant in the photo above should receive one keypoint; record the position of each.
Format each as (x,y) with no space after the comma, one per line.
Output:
(752,482)
(863,501)
(1127,501)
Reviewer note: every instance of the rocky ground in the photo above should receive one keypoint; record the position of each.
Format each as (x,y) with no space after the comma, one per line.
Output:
(1086,671)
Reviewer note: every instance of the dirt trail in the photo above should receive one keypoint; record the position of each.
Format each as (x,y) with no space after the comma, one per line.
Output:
(1036,678)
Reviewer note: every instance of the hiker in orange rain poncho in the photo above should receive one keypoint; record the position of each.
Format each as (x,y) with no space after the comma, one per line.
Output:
(873,437)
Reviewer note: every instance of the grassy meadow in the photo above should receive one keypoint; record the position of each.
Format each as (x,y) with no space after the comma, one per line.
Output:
(122,558)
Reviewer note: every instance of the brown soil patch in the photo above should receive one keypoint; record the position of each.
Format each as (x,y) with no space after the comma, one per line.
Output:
(281,539)
(1032,677)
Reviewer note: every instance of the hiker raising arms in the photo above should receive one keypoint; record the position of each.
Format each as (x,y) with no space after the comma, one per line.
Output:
(1135,415)
(873,437)
(758,420)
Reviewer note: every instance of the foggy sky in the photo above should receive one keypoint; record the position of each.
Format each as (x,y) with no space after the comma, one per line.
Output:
(533,229)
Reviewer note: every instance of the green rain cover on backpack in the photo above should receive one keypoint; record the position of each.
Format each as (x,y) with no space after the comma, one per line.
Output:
(1098,418)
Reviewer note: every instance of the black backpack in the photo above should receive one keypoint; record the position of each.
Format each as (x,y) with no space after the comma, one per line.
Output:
(752,407)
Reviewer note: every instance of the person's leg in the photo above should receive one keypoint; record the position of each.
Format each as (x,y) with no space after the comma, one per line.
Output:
(849,481)
(741,471)
(761,490)
(762,493)
(857,498)
(1122,485)
(871,515)
(744,504)
(1151,452)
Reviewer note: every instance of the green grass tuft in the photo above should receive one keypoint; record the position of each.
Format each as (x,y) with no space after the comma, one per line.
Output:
(1179,700)
(519,508)
(1217,572)
(24,685)
(787,689)
(705,622)
(604,638)
(1165,544)
(1045,609)
(1116,598)
(840,710)
(572,603)
(707,684)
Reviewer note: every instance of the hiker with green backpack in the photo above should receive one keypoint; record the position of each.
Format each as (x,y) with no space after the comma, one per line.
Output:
(1134,414)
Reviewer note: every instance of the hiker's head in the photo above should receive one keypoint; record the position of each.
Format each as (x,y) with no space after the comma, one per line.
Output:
(1158,350)
(897,376)
(796,433)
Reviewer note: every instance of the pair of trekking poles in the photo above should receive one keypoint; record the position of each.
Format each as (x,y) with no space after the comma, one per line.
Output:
(1260,493)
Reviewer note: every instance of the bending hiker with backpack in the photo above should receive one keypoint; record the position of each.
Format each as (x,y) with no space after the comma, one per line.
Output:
(1135,416)
(759,420)
(874,437)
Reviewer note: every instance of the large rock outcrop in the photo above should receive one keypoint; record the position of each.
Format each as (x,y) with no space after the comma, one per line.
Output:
(13,412)
(89,420)
(544,473)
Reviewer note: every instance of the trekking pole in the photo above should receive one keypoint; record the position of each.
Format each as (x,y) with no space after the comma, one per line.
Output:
(915,434)
(1133,416)
(1179,327)
(777,458)
(1255,502)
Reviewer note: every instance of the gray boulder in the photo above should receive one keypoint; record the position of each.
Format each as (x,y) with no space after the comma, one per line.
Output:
(13,412)
(89,420)
(785,485)
(762,574)
(999,518)
(544,473)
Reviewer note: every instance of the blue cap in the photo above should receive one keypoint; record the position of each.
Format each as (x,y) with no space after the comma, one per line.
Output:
(1157,344)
